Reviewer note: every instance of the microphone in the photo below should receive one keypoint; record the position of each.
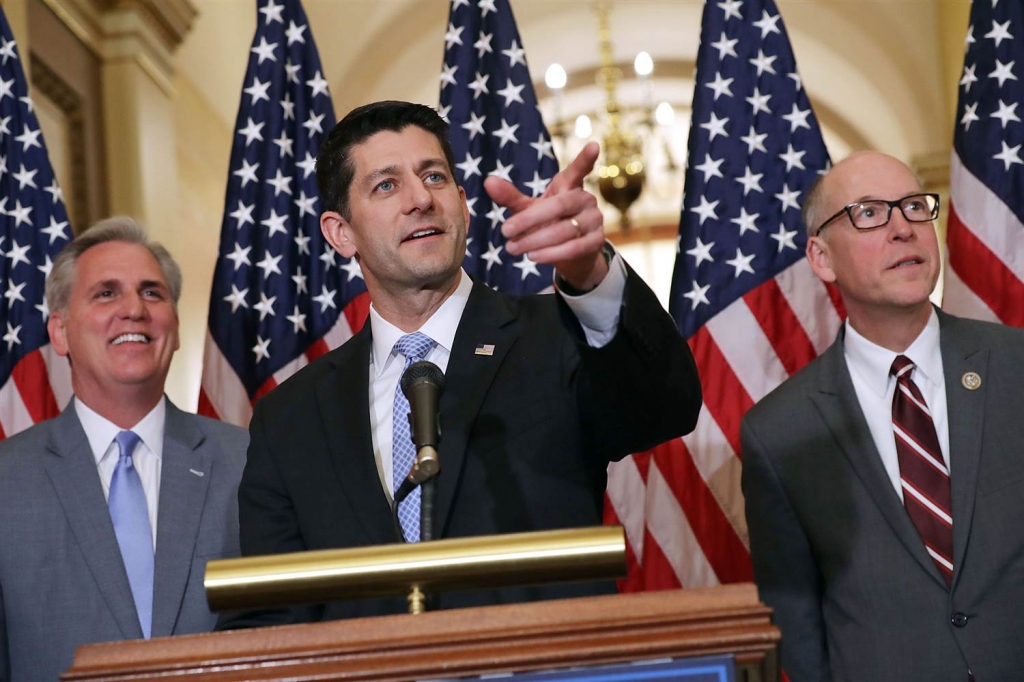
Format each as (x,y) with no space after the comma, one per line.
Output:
(422,383)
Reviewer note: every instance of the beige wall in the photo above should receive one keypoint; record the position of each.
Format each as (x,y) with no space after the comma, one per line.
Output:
(203,151)
(176,104)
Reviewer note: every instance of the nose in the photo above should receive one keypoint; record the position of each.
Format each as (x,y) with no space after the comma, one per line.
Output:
(899,227)
(418,197)
(133,306)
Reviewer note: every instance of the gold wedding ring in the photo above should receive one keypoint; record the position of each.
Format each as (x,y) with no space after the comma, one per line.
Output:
(579,230)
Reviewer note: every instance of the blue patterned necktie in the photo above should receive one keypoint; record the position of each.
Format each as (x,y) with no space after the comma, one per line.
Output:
(130,514)
(414,347)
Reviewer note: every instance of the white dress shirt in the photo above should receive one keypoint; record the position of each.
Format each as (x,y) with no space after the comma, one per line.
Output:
(147,456)
(869,366)
(597,311)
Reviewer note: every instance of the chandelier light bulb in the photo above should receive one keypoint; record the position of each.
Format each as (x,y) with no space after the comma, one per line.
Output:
(584,128)
(643,64)
(665,115)
(555,77)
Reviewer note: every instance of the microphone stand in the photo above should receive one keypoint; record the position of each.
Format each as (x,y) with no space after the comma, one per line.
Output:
(427,462)
(427,498)
(418,600)
(421,383)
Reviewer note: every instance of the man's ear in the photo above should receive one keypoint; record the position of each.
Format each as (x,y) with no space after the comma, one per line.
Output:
(177,329)
(338,233)
(820,259)
(465,205)
(58,333)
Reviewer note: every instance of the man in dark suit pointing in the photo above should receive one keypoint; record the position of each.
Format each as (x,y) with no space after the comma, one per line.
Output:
(564,383)
(884,483)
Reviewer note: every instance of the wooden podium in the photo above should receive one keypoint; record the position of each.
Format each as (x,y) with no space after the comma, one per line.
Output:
(462,643)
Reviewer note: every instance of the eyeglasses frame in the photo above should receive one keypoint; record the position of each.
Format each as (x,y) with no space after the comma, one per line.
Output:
(895,203)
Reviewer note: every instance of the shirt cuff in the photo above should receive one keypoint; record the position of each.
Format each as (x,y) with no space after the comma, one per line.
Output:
(598,310)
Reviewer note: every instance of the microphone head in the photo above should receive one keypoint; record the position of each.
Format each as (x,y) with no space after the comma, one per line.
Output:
(422,371)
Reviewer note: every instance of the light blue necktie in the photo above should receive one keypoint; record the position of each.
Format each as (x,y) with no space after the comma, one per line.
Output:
(414,347)
(130,514)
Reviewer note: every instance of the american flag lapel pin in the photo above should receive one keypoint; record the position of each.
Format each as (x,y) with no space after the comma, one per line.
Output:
(484,349)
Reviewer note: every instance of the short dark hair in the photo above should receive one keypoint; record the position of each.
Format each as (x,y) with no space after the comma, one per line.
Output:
(334,168)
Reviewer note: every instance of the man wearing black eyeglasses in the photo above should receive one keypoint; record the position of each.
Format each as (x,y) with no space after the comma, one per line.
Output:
(884,482)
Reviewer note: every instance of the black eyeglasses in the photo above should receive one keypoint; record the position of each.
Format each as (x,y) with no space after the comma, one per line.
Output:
(867,215)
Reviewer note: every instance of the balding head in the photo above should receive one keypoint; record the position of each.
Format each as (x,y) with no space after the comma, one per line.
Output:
(887,268)
(860,176)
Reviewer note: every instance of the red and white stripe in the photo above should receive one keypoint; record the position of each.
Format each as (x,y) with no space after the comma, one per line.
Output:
(910,396)
(937,557)
(985,239)
(38,389)
(680,503)
(916,447)
(929,504)
(222,395)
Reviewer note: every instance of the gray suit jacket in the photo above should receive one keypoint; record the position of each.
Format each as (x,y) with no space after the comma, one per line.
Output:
(62,582)
(835,554)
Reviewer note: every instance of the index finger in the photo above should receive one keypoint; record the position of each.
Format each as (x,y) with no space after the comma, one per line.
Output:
(572,176)
(504,193)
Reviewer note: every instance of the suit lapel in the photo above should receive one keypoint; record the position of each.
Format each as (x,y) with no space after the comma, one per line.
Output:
(185,474)
(965,415)
(839,407)
(487,320)
(72,471)
(343,400)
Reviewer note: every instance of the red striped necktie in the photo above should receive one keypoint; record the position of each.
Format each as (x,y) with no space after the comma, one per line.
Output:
(923,474)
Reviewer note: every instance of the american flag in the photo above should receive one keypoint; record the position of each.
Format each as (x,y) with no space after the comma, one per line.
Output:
(742,294)
(35,383)
(281,295)
(985,271)
(496,129)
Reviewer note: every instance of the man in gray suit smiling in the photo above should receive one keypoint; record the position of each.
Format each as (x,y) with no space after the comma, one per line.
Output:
(109,512)
(884,483)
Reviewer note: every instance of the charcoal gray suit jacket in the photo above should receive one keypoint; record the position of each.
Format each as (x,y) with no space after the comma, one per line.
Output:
(62,581)
(835,554)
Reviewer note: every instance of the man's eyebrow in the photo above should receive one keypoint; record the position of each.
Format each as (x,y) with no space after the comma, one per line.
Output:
(432,162)
(380,172)
(425,164)
(106,284)
(117,284)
